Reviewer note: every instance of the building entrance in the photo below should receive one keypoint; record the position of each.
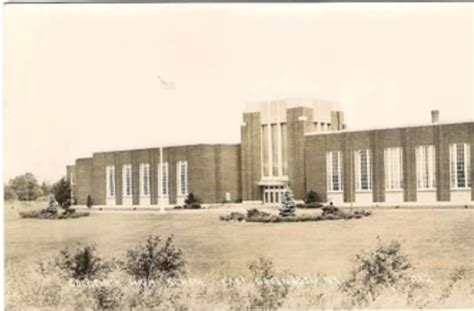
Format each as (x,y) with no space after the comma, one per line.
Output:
(272,194)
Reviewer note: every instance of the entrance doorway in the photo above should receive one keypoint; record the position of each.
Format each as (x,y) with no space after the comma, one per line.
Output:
(272,194)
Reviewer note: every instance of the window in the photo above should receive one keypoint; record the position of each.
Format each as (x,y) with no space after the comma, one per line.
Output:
(363,170)
(164,186)
(459,166)
(425,167)
(393,163)
(127,180)
(144,179)
(110,180)
(182,178)
(334,170)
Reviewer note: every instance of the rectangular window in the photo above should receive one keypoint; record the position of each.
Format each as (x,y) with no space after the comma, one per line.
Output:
(144,179)
(265,151)
(393,164)
(274,133)
(164,185)
(284,149)
(363,170)
(182,178)
(425,167)
(334,171)
(459,166)
(127,180)
(110,180)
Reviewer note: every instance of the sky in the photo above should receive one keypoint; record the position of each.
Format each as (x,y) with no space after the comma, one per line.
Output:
(83,78)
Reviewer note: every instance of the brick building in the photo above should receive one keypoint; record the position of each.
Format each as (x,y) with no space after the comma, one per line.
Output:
(299,143)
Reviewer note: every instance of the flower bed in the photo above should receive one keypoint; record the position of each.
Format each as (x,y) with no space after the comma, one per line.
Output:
(254,215)
(49,214)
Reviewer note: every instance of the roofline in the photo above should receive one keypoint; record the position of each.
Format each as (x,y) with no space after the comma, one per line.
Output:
(169,146)
(387,128)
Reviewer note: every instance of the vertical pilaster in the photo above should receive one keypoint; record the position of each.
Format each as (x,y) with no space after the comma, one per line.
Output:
(409,165)
(443,191)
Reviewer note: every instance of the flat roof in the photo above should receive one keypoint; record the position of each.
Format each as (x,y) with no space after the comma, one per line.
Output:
(387,128)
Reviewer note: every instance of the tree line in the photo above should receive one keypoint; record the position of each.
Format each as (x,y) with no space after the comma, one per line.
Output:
(26,187)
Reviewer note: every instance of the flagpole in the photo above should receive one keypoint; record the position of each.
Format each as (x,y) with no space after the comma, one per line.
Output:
(165,85)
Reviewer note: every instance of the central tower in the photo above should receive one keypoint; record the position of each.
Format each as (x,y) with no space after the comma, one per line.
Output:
(272,148)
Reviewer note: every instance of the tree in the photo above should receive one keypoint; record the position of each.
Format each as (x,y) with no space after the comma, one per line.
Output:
(8,193)
(25,187)
(46,188)
(62,192)
(288,205)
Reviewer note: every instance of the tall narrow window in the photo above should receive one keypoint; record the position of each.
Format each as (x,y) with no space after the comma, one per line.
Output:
(425,167)
(110,180)
(459,164)
(393,164)
(363,170)
(265,150)
(164,186)
(127,180)
(284,149)
(334,170)
(182,178)
(144,179)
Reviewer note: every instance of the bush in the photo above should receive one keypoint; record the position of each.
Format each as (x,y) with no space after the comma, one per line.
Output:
(89,202)
(374,271)
(310,205)
(151,261)
(83,263)
(269,292)
(192,202)
(312,197)
(235,216)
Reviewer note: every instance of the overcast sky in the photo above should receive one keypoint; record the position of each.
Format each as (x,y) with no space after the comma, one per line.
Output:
(84,78)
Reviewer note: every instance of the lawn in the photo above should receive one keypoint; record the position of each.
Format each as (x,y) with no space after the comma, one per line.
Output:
(437,240)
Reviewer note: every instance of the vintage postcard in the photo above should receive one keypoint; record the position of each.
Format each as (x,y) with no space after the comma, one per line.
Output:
(218,156)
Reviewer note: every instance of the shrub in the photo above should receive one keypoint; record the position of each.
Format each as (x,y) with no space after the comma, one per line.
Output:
(312,197)
(269,292)
(236,216)
(89,202)
(375,271)
(238,200)
(151,261)
(82,263)
(192,202)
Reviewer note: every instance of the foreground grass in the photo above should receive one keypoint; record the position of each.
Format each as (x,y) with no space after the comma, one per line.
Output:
(437,239)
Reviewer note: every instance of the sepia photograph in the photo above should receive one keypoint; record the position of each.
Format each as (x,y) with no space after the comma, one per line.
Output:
(238,156)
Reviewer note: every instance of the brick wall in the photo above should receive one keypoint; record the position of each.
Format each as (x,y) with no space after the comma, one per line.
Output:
(213,170)
(408,138)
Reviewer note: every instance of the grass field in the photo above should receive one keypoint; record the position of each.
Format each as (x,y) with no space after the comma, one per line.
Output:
(437,240)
